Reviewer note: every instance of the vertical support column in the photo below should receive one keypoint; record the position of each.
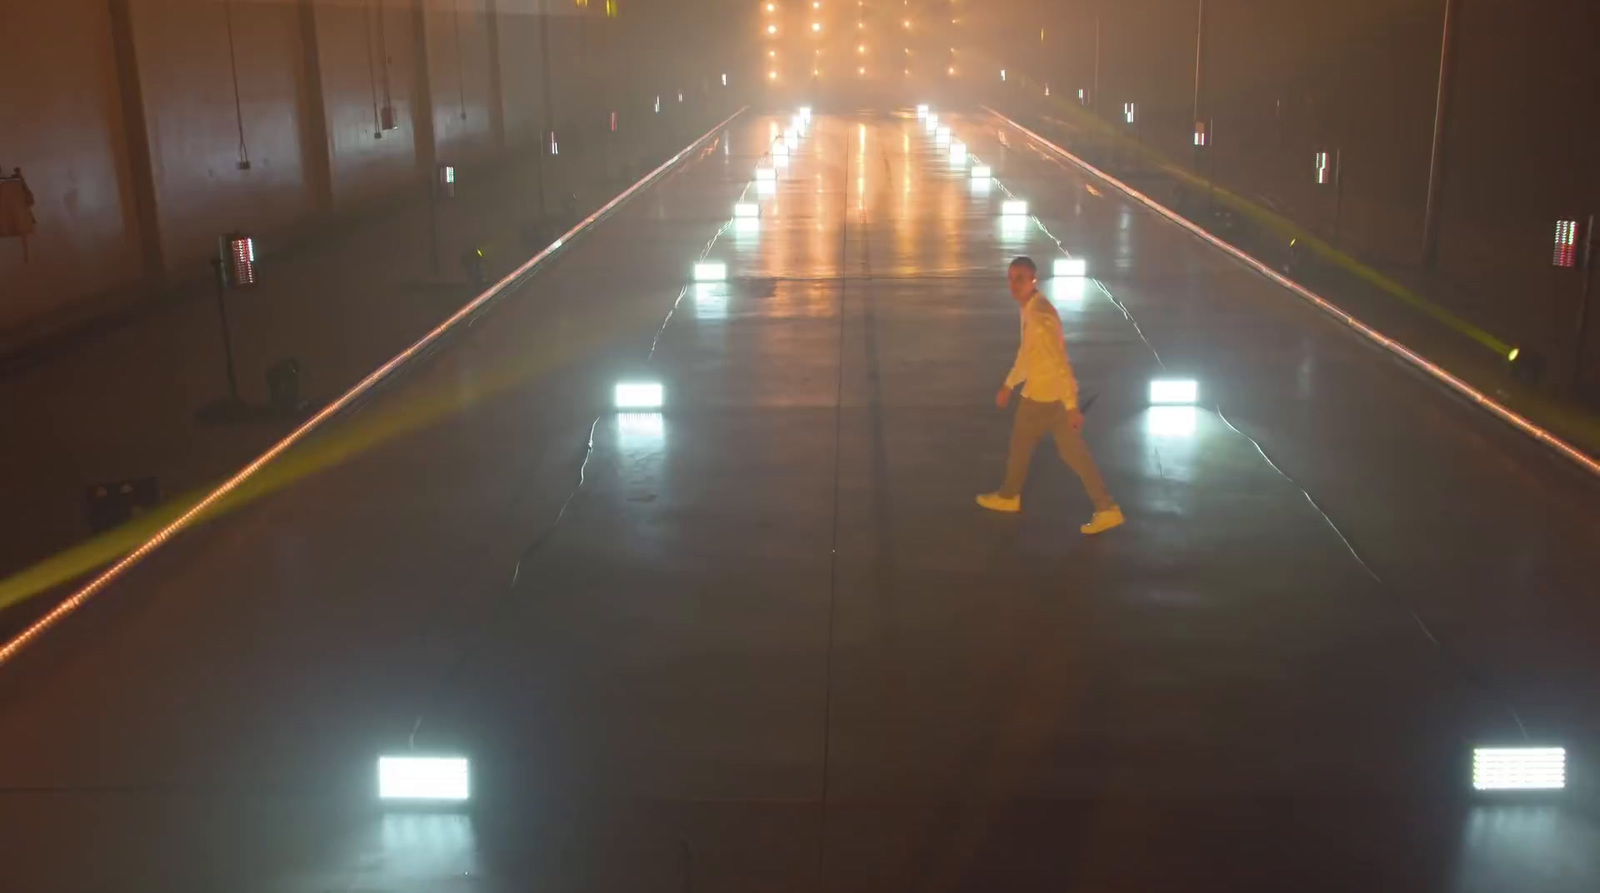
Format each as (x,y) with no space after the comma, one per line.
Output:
(422,129)
(316,149)
(136,141)
(1441,123)
(497,96)
(549,102)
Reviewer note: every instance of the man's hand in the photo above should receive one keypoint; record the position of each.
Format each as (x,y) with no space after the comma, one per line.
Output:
(1003,398)
(1075,419)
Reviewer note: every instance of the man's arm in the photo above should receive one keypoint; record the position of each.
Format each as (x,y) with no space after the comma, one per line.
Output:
(1019,370)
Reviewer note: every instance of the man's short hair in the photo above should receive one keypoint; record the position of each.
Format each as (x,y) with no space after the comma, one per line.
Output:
(1022,260)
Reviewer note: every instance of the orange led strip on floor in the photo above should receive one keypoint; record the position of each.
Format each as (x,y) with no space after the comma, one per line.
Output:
(1503,412)
(11,648)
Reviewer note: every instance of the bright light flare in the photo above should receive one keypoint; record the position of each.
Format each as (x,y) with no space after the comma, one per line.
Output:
(438,779)
(638,395)
(922,111)
(1014,207)
(1070,266)
(805,113)
(1519,768)
(710,271)
(1174,391)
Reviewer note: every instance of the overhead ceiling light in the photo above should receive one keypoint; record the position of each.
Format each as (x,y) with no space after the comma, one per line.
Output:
(1174,391)
(424,779)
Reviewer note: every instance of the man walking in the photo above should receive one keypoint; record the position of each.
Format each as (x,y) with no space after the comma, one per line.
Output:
(1049,404)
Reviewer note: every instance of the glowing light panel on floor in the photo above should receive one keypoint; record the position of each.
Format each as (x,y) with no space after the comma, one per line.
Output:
(1174,391)
(442,779)
(1170,421)
(1519,768)
(1014,207)
(982,187)
(746,226)
(958,153)
(805,113)
(710,271)
(1014,228)
(1070,266)
(982,172)
(639,395)
(766,173)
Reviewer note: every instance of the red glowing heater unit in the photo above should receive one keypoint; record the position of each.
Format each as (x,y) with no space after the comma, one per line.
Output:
(1566,252)
(238,260)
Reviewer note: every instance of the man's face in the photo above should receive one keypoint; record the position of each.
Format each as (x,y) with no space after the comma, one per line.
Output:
(1021,280)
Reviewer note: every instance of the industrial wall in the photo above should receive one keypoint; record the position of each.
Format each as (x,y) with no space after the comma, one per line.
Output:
(147,128)
(1283,79)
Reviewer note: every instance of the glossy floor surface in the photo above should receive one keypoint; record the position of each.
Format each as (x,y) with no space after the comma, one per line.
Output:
(764,640)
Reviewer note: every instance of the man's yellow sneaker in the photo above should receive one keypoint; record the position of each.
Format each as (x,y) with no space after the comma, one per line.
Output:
(1102,521)
(994,502)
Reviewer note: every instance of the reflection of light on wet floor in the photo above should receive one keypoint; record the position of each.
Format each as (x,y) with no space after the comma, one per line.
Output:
(1171,421)
(1066,293)
(1503,846)
(640,429)
(982,186)
(424,847)
(710,300)
(1013,228)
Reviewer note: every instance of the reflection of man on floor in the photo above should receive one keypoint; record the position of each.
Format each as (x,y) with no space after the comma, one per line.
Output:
(1049,404)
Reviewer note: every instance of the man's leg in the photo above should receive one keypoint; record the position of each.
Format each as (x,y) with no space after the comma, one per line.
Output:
(1075,452)
(1031,423)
